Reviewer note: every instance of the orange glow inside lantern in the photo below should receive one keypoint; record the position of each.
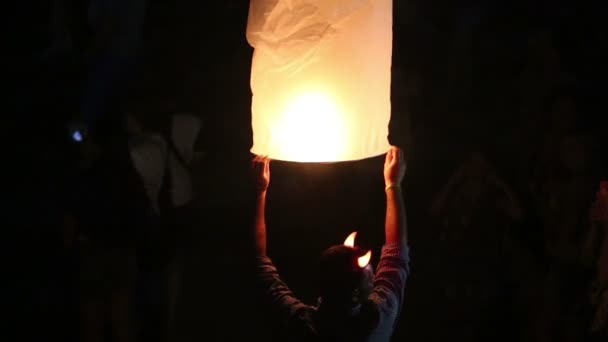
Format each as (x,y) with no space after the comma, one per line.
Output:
(311,112)
(320,78)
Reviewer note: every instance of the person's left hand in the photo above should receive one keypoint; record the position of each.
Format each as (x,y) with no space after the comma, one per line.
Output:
(261,168)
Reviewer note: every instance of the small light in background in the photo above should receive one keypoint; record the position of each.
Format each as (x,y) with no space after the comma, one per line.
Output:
(77,136)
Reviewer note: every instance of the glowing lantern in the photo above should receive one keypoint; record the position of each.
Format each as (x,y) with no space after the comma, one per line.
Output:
(320,78)
(361,261)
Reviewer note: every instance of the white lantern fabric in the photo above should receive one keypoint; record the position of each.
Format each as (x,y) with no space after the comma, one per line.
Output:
(320,78)
(149,152)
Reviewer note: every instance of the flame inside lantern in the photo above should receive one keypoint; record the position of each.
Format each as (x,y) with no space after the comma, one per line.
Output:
(311,129)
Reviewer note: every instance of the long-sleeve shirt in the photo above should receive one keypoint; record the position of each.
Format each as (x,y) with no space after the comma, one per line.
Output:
(384,302)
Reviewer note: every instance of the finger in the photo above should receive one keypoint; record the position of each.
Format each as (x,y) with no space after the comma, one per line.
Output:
(389,159)
(393,156)
(262,159)
(255,161)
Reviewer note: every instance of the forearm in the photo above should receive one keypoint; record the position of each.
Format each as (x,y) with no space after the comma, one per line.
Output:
(260,224)
(395,227)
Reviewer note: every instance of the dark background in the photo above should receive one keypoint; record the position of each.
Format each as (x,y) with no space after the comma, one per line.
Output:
(461,83)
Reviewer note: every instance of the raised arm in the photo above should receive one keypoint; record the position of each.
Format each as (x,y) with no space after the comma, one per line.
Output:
(393,267)
(275,290)
(395,227)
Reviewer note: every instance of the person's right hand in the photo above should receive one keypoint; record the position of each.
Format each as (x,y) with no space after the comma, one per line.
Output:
(261,167)
(394,167)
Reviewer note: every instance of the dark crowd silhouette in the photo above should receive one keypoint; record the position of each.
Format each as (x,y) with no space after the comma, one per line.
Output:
(141,217)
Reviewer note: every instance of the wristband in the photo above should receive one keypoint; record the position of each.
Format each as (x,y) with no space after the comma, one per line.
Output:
(396,186)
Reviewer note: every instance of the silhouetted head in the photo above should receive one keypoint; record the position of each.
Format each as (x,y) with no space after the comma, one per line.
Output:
(343,282)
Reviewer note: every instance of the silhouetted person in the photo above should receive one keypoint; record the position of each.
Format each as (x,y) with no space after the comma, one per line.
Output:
(162,161)
(477,210)
(560,183)
(354,305)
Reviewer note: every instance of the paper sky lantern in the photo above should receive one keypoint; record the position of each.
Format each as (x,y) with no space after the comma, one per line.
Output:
(320,78)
